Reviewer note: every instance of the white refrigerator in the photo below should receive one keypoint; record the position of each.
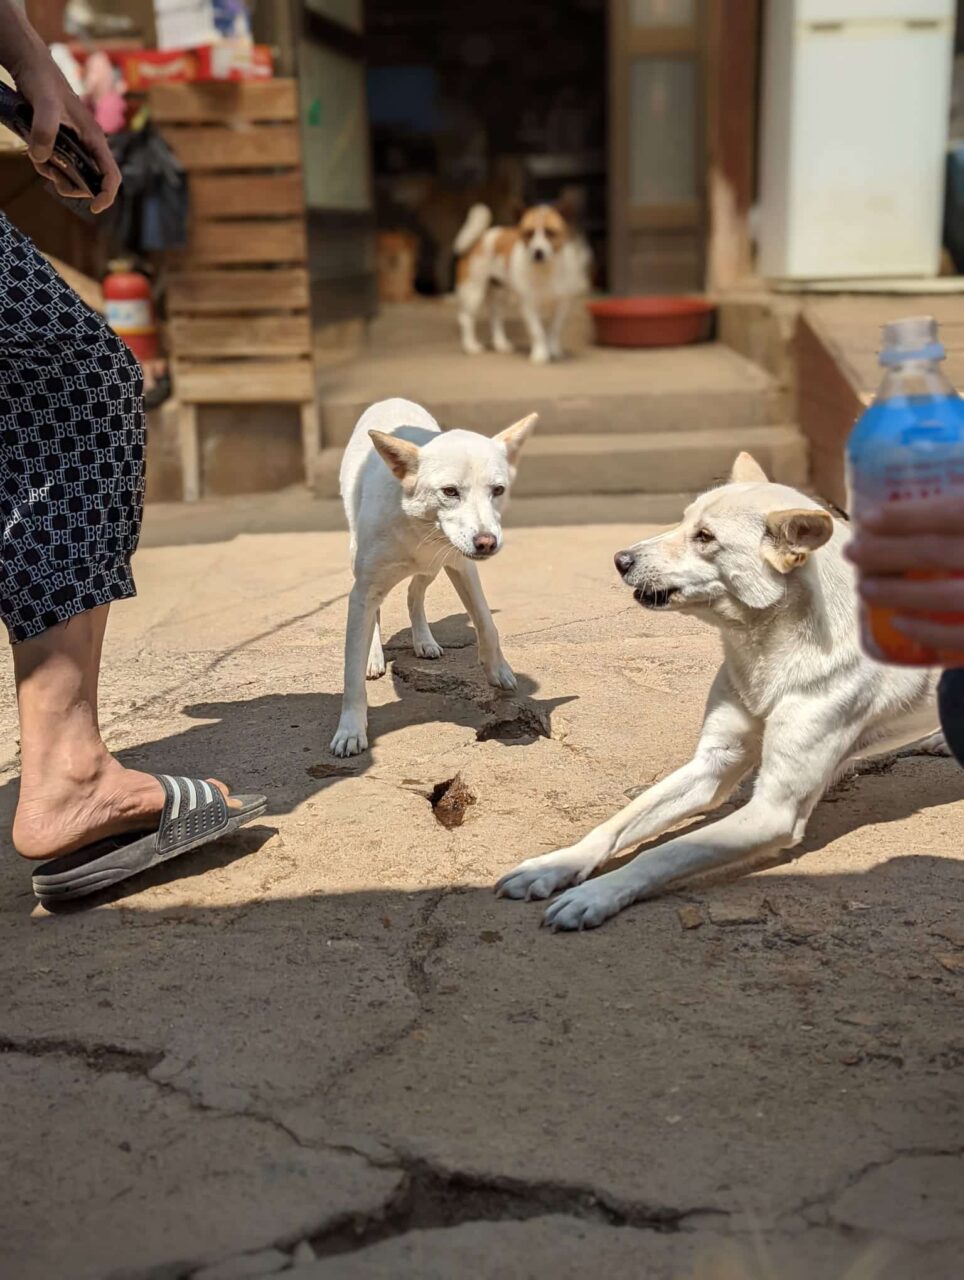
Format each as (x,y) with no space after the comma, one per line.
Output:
(855,107)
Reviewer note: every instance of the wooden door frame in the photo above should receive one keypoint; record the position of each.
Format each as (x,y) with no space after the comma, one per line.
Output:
(734,31)
(625,43)
(726,43)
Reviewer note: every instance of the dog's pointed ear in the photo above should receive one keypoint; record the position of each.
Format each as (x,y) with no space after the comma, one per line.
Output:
(400,456)
(746,470)
(792,535)
(513,438)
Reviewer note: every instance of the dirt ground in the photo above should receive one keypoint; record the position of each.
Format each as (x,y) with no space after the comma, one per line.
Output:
(325,1044)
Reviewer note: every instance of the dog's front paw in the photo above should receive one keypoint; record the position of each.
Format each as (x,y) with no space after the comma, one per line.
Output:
(540,355)
(427,648)
(503,346)
(587,905)
(473,348)
(351,737)
(376,667)
(501,675)
(543,876)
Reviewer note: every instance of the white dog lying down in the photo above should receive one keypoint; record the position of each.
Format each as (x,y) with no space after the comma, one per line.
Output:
(419,500)
(795,697)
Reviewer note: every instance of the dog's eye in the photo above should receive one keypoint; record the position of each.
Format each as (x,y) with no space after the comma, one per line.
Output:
(498,490)
(703,537)
(450,491)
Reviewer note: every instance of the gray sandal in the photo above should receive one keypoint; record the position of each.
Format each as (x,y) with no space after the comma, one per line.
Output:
(194,813)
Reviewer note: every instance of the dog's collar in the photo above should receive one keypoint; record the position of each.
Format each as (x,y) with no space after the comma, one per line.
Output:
(834,509)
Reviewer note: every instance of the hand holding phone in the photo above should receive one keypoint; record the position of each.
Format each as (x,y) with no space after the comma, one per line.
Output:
(64,142)
(69,165)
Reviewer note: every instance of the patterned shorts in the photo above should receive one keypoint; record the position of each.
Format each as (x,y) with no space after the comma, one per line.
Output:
(71,448)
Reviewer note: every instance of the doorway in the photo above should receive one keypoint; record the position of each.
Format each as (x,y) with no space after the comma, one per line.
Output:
(503,104)
(413,110)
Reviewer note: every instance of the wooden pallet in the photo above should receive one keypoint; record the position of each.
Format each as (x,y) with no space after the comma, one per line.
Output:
(237,298)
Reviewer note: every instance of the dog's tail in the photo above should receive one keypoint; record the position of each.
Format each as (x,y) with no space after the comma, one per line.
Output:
(474,227)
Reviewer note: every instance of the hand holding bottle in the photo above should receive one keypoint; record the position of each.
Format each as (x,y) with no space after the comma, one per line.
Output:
(897,540)
(905,460)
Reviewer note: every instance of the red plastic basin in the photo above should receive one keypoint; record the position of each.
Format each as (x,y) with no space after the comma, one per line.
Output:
(652,322)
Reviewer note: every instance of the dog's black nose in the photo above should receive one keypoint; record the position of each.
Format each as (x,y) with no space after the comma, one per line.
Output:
(485,543)
(624,561)
(539,255)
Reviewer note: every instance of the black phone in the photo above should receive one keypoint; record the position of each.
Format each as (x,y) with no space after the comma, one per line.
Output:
(69,155)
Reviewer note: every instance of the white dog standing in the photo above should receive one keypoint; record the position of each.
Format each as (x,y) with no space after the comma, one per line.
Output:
(796,696)
(419,500)
(540,260)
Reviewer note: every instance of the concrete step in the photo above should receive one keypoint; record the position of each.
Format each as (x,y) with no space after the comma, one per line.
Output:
(652,463)
(600,390)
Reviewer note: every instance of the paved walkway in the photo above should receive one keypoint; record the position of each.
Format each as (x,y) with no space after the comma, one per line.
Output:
(853,324)
(412,350)
(325,1038)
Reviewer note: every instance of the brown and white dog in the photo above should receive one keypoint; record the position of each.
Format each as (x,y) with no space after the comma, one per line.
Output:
(539,260)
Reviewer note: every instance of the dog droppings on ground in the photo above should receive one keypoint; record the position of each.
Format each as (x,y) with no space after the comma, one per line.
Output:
(450,800)
(525,726)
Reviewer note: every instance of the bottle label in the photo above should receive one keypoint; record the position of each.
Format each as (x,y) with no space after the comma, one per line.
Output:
(129,316)
(899,478)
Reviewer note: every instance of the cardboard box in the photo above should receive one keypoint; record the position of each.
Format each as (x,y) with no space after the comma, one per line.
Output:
(234,60)
(149,66)
(221,61)
(184,24)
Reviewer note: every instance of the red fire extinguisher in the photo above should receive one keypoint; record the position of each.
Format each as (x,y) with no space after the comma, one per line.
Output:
(129,309)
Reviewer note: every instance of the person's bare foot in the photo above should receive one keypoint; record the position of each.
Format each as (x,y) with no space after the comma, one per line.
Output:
(57,814)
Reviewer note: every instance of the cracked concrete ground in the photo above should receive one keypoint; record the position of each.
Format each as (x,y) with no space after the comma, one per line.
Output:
(324,1044)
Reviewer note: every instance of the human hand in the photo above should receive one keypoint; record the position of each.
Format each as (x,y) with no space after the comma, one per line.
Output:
(54,103)
(915,538)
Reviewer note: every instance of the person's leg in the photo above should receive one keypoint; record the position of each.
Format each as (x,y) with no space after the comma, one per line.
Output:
(950,704)
(71,497)
(72,790)
(99,620)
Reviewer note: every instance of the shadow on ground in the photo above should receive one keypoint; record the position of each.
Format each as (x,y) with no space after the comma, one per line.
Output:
(621,1079)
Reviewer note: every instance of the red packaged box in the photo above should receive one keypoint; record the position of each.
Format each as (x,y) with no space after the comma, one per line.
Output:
(231,60)
(149,66)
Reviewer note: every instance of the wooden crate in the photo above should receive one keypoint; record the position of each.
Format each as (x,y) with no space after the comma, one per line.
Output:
(237,297)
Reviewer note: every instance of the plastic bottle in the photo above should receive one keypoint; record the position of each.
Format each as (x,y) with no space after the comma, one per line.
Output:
(908,447)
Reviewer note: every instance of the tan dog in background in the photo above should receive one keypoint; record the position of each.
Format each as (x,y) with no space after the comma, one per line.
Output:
(540,260)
